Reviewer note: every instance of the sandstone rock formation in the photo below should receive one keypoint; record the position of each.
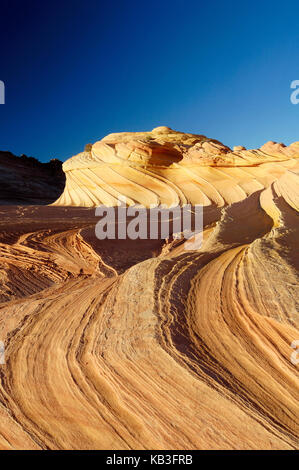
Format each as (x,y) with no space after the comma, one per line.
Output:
(139,344)
(168,167)
(25,180)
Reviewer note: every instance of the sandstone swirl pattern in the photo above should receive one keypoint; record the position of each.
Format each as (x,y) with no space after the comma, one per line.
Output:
(140,344)
(169,167)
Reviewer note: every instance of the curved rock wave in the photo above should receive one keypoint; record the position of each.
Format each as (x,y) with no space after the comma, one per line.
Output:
(120,344)
(169,167)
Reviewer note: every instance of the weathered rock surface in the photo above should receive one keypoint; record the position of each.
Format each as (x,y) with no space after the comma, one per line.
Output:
(169,167)
(139,344)
(25,180)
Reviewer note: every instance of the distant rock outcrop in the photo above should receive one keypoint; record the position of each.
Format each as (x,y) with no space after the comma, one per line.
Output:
(24,180)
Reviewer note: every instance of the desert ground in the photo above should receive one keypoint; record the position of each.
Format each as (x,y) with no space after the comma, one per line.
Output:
(141,344)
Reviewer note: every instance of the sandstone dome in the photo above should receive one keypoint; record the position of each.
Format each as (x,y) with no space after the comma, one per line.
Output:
(169,167)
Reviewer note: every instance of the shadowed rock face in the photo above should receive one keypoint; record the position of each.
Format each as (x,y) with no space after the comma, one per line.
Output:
(25,180)
(139,344)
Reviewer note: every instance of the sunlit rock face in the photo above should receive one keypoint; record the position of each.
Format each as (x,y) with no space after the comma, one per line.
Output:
(169,167)
(141,344)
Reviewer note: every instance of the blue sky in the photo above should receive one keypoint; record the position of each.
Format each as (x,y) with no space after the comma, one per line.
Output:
(77,70)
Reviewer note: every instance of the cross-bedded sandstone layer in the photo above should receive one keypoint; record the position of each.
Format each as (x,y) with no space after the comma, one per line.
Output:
(169,167)
(122,344)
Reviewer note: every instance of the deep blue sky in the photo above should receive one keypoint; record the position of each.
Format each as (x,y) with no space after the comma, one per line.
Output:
(77,70)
